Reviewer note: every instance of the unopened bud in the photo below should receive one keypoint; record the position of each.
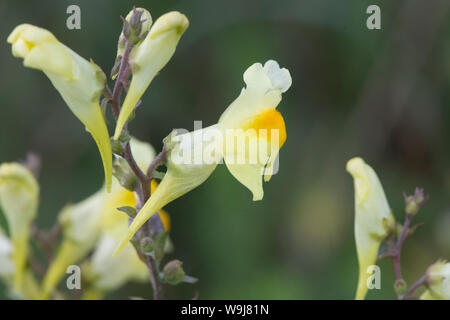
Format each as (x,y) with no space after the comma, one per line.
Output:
(400,286)
(414,202)
(136,26)
(173,272)
(146,245)
(124,174)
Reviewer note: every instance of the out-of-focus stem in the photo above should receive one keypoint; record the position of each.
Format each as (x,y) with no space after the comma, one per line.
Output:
(398,247)
(422,280)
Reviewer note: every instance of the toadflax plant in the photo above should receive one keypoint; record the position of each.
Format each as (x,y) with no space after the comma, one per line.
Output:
(375,224)
(121,232)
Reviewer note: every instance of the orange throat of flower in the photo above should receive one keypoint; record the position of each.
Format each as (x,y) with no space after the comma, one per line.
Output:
(270,122)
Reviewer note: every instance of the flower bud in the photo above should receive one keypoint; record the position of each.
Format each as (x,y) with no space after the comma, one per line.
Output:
(414,202)
(173,272)
(124,174)
(146,245)
(438,276)
(373,218)
(143,25)
(400,286)
(19,196)
(79,82)
(149,57)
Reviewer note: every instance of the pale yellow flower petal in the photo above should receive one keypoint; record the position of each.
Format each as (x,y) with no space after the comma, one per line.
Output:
(81,227)
(253,121)
(109,273)
(79,81)
(19,197)
(264,86)
(68,253)
(373,218)
(149,57)
(438,276)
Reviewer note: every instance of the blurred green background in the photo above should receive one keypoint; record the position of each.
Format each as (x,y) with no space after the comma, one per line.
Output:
(380,94)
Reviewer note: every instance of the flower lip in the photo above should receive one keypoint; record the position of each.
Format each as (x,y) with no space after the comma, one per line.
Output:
(279,77)
(25,36)
(355,165)
(357,168)
(167,22)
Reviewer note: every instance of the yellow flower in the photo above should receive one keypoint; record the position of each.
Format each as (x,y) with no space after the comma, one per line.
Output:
(438,282)
(373,218)
(149,57)
(79,81)
(85,223)
(253,115)
(193,156)
(19,196)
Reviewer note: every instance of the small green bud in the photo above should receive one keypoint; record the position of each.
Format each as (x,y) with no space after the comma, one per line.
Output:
(173,272)
(117,147)
(411,207)
(400,286)
(160,245)
(414,202)
(146,245)
(124,174)
(124,136)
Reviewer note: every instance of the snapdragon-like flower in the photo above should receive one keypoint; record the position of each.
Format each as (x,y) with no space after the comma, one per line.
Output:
(438,282)
(86,222)
(79,81)
(373,218)
(253,115)
(19,197)
(248,126)
(148,57)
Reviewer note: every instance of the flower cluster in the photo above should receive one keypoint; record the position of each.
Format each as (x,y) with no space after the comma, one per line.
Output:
(121,215)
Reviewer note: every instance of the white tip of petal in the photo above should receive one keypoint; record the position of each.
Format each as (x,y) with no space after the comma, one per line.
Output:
(280,78)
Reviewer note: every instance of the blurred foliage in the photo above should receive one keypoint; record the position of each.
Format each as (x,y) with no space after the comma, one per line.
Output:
(383,95)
